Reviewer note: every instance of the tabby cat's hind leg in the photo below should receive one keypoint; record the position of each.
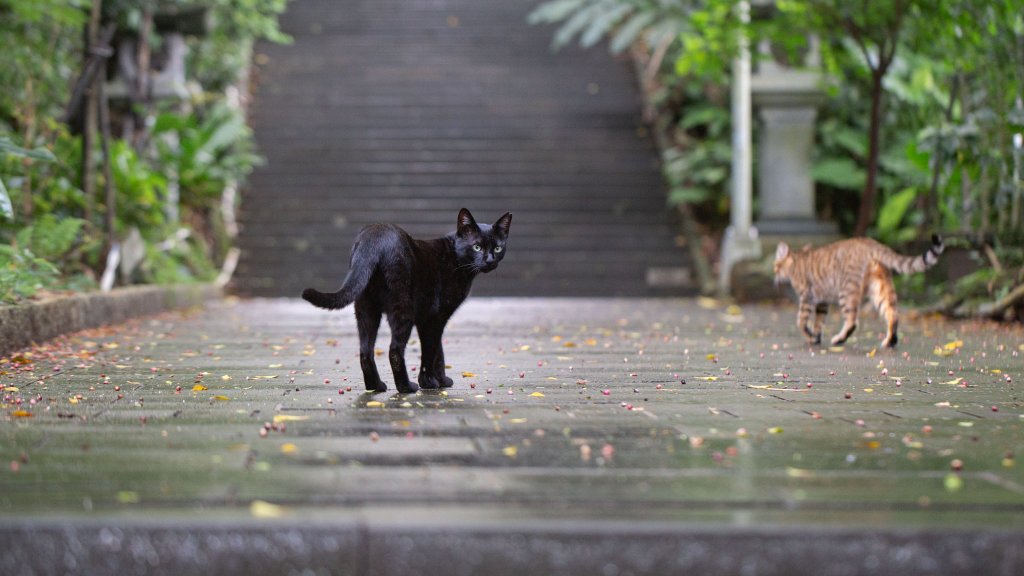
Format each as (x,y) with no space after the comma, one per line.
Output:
(849,305)
(802,316)
(820,311)
(883,297)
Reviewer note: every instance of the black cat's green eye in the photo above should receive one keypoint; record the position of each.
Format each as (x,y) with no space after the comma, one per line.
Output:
(477,248)
(498,249)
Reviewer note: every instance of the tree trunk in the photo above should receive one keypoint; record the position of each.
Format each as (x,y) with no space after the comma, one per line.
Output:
(867,201)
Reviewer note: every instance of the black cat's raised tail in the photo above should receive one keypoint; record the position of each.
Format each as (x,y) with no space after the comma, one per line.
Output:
(360,270)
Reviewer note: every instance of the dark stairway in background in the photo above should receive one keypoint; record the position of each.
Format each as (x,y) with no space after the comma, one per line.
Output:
(405,111)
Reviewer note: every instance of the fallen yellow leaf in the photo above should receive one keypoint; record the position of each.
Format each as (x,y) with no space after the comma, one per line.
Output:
(799,472)
(374,404)
(128,497)
(468,375)
(278,418)
(199,388)
(22,414)
(708,303)
(537,394)
(221,397)
(510,451)
(261,509)
(289,448)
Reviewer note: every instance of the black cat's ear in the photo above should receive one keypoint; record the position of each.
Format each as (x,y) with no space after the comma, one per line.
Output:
(466,223)
(503,224)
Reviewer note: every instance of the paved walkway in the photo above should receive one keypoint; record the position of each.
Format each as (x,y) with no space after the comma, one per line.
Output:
(581,437)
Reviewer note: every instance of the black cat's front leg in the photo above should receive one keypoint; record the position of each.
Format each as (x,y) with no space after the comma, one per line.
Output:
(430,378)
(401,327)
(445,381)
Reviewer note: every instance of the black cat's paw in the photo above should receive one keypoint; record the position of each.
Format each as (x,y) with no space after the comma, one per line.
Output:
(407,387)
(447,382)
(376,386)
(428,382)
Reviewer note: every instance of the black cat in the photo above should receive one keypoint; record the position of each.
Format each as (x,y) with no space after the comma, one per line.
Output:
(414,282)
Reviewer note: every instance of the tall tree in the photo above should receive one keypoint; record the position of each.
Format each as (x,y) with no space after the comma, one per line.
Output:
(874,28)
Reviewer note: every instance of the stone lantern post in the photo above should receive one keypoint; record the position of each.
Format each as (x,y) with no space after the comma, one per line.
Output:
(786,100)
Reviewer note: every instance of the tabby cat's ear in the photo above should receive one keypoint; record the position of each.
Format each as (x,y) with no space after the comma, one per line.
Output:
(503,224)
(782,251)
(466,223)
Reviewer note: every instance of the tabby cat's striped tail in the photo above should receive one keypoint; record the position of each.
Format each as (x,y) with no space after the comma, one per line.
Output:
(908,264)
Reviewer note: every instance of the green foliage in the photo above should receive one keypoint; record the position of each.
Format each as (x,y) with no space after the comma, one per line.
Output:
(710,42)
(839,173)
(9,150)
(22,274)
(698,171)
(140,192)
(47,222)
(222,55)
(49,238)
(622,20)
(892,214)
(185,262)
(209,151)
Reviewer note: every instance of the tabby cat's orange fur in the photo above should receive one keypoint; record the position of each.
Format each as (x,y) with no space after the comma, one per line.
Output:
(845,272)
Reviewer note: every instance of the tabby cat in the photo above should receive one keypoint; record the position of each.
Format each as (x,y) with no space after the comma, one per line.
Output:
(415,283)
(844,271)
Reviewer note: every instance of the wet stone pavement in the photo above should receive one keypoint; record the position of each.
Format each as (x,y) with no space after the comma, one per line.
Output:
(581,437)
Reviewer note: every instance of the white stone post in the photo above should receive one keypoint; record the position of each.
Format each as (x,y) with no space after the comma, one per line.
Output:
(740,241)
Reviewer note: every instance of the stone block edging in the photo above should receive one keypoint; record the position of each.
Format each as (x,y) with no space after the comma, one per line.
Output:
(35,322)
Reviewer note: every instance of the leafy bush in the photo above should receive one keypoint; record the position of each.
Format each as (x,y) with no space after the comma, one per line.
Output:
(47,221)
(208,151)
(49,238)
(23,274)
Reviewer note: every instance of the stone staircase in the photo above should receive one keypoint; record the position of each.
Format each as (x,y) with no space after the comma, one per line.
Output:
(405,111)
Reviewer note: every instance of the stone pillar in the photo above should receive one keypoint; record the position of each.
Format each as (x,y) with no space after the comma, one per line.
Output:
(740,241)
(787,100)
(784,172)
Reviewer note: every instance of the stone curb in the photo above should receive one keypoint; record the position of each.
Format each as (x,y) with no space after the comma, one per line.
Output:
(564,548)
(34,322)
